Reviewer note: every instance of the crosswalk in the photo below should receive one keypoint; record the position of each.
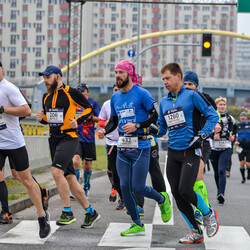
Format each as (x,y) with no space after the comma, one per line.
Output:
(228,237)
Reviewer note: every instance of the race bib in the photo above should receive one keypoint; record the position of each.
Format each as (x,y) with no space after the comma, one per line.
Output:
(55,117)
(2,122)
(222,144)
(238,149)
(126,113)
(175,118)
(128,142)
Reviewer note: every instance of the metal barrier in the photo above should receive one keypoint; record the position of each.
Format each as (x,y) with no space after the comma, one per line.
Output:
(34,129)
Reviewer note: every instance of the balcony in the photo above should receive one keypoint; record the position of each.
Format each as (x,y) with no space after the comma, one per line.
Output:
(63,43)
(154,71)
(154,60)
(64,18)
(64,6)
(155,40)
(63,55)
(155,10)
(155,50)
(155,19)
(63,31)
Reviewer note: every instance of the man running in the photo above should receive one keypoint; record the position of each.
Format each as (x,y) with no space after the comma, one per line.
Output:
(12,145)
(86,136)
(130,110)
(177,114)
(59,108)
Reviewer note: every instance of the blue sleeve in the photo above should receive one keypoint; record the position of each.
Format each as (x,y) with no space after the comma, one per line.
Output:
(112,112)
(97,109)
(161,120)
(209,112)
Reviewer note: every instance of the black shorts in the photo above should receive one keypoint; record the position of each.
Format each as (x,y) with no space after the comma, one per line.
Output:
(18,158)
(206,151)
(87,151)
(245,155)
(62,152)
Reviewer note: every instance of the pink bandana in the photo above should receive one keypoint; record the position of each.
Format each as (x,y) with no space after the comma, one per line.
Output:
(129,68)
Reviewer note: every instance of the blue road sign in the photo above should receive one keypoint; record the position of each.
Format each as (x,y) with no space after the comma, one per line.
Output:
(131,53)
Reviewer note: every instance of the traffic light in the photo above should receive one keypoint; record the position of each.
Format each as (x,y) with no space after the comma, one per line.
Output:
(206,44)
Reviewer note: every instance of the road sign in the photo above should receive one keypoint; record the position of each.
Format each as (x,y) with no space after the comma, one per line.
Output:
(243,6)
(131,53)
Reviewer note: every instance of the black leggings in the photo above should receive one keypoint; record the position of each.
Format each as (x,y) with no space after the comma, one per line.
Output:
(182,170)
(157,179)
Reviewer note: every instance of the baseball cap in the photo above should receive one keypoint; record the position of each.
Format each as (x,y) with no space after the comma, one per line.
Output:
(243,114)
(82,86)
(191,76)
(50,70)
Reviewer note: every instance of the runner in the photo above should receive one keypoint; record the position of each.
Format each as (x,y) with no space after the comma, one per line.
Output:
(111,147)
(86,134)
(12,145)
(177,114)
(221,148)
(59,108)
(243,145)
(191,81)
(130,109)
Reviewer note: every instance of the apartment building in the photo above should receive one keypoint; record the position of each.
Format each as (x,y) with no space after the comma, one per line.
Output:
(111,22)
(34,34)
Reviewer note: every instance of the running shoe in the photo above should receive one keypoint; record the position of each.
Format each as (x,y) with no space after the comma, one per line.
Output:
(44,225)
(45,198)
(90,219)
(112,196)
(66,218)
(198,217)
(192,237)
(220,199)
(121,205)
(6,218)
(134,230)
(140,211)
(211,222)
(165,207)
(243,181)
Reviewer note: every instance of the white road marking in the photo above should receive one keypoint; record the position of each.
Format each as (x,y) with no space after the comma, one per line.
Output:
(26,232)
(157,214)
(228,238)
(113,232)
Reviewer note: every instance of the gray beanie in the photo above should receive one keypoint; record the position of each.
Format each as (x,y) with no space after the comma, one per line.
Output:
(243,114)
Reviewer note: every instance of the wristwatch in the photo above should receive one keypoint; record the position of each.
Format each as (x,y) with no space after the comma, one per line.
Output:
(203,136)
(1,109)
(137,125)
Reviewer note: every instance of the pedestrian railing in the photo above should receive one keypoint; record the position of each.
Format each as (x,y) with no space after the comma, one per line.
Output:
(34,129)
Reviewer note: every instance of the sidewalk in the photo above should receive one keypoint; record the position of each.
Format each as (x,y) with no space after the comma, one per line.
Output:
(45,178)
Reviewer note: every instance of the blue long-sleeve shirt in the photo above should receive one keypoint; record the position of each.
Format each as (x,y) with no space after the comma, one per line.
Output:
(181,116)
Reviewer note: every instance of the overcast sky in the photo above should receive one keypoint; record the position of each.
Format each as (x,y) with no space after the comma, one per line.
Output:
(243,23)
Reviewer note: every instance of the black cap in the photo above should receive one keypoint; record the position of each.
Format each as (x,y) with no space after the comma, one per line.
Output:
(50,70)
(82,86)
(1,65)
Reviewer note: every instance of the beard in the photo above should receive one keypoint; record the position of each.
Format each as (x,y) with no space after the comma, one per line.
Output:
(52,87)
(123,84)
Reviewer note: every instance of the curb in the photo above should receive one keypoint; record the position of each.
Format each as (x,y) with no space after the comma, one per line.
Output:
(25,202)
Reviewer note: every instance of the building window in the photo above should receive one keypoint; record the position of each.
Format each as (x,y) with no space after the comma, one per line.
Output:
(39,15)
(13,14)
(11,74)
(39,4)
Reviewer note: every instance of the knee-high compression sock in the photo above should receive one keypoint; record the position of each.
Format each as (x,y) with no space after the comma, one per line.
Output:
(110,175)
(77,172)
(87,176)
(242,171)
(4,197)
(42,191)
(248,173)
(200,188)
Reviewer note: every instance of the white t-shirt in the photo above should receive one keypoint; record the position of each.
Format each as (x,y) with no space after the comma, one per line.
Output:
(111,138)
(11,136)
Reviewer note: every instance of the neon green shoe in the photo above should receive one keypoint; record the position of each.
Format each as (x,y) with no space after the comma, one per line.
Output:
(134,230)
(165,207)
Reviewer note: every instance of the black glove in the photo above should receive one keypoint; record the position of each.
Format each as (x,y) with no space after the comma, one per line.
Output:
(153,129)
(195,142)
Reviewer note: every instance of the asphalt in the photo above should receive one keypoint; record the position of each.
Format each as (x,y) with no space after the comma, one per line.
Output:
(45,177)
